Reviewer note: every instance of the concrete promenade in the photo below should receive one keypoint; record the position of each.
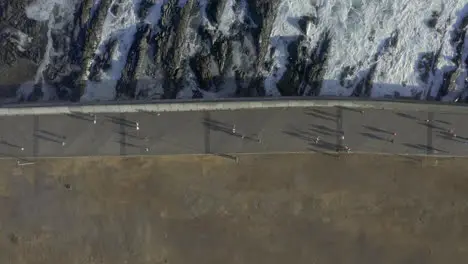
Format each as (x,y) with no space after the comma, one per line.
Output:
(274,130)
(50,108)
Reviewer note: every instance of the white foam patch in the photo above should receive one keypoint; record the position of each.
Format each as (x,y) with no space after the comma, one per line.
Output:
(105,89)
(351,23)
(285,30)
(125,19)
(49,47)
(121,26)
(19,38)
(41,10)
(228,17)
(25,90)
(154,13)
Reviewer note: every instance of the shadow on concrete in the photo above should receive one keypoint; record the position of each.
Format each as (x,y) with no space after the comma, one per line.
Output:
(306,136)
(215,125)
(447,136)
(121,121)
(425,148)
(81,116)
(376,129)
(326,129)
(320,132)
(47,138)
(310,113)
(6,143)
(126,134)
(322,146)
(48,133)
(251,138)
(443,122)
(407,116)
(373,136)
(431,125)
(325,113)
(462,138)
(332,152)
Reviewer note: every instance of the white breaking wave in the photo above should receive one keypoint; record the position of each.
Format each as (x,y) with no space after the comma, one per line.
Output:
(351,23)
(41,10)
(121,26)
(357,28)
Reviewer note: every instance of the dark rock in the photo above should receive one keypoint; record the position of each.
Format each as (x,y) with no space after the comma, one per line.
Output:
(183,50)
(214,10)
(305,21)
(126,86)
(432,21)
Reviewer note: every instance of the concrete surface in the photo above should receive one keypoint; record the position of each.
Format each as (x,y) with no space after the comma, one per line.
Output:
(256,131)
(117,107)
(291,208)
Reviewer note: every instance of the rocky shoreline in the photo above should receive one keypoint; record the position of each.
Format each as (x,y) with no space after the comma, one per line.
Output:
(188,51)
